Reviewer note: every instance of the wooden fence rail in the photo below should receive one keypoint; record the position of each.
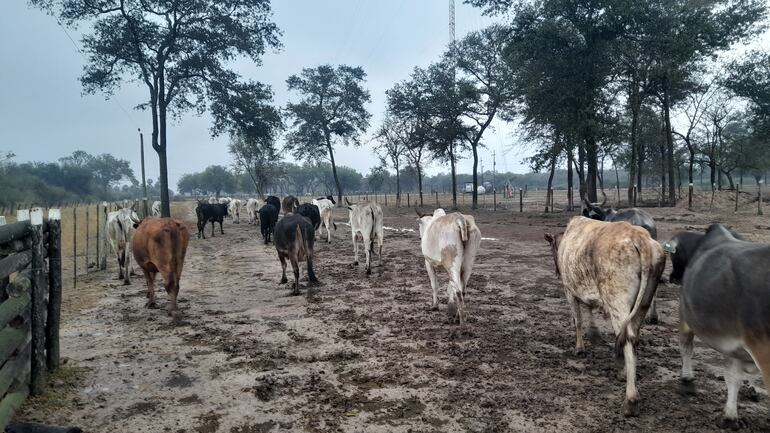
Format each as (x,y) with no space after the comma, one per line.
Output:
(30,300)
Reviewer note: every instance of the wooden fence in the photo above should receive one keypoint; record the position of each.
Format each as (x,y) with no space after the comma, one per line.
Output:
(30,306)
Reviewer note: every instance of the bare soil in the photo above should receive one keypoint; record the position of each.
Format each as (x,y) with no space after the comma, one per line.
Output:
(359,353)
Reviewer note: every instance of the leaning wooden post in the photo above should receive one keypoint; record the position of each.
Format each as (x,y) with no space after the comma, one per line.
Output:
(74,246)
(88,233)
(39,289)
(98,238)
(105,247)
(408,203)
(521,200)
(759,202)
(54,289)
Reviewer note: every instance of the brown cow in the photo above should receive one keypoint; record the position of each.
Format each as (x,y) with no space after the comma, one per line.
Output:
(616,266)
(160,245)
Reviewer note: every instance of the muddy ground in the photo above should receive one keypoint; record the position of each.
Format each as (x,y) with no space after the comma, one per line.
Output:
(362,353)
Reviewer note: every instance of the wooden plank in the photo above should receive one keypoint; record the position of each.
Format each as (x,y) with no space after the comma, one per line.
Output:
(10,232)
(10,404)
(16,368)
(39,309)
(54,290)
(15,263)
(10,340)
(12,308)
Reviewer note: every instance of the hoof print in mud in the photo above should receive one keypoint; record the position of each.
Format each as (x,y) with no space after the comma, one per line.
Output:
(733,424)
(631,408)
(687,387)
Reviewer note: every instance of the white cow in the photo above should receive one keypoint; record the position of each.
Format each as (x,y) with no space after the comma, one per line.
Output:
(120,231)
(325,208)
(252,206)
(234,210)
(450,241)
(213,200)
(156,208)
(366,219)
(225,200)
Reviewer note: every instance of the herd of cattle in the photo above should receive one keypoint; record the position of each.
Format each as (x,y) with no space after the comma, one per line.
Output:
(604,258)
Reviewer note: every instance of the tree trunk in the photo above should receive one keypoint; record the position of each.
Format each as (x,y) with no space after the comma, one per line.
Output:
(548,198)
(165,207)
(475,201)
(690,165)
(669,146)
(334,172)
(581,167)
(663,170)
(419,181)
(570,181)
(632,166)
(640,168)
(592,161)
(454,179)
(713,169)
(398,186)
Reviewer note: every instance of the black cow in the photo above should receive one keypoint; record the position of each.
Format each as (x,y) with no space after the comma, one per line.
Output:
(294,238)
(682,248)
(210,212)
(290,204)
(273,200)
(725,301)
(310,211)
(633,216)
(268,216)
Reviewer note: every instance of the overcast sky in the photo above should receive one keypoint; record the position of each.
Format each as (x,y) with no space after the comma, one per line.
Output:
(44,115)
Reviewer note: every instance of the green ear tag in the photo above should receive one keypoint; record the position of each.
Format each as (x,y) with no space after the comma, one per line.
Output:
(667,247)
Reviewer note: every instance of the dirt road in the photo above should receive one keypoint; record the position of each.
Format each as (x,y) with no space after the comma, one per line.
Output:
(366,353)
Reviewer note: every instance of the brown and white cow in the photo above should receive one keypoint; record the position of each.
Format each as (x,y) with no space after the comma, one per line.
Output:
(366,220)
(159,246)
(452,242)
(616,266)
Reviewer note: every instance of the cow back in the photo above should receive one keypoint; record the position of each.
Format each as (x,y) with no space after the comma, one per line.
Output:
(294,236)
(311,212)
(160,245)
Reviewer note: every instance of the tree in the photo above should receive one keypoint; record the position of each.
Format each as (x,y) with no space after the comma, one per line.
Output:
(392,141)
(179,49)
(331,110)
(109,171)
(480,56)
(376,178)
(215,179)
(258,158)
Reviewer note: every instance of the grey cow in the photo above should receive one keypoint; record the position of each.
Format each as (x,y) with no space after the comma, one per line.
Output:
(725,301)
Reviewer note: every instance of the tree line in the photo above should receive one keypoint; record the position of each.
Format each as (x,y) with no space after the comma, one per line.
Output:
(588,82)
(80,176)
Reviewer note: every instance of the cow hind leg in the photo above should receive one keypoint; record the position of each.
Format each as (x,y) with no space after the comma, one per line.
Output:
(221,230)
(454,288)
(652,315)
(686,379)
(433,284)
(150,278)
(295,268)
(577,320)
(172,289)
(355,251)
(283,269)
(368,252)
(631,404)
(733,377)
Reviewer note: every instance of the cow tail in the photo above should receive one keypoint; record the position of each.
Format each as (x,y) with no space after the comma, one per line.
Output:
(373,233)
(652,261)
(463,224)
(302,248)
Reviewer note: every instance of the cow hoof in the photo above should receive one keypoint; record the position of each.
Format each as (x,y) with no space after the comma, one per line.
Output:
(631,408)
(284,281)
(734,424)
(368,271)
(579,352)
(651,320)
(151,304)
(434,307)
(686,387)
(355,263)
(126,282)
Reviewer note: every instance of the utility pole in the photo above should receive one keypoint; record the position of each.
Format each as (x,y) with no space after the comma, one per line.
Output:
(144,182)
(494,168)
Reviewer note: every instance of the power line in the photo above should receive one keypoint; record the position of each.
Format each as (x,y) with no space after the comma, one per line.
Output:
(77,48)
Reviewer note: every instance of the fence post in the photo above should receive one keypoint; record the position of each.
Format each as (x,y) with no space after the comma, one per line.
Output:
(521,201)
(88,234)
(74,246)
(98,238)
(39,288)
(759,202)
(386,199)
(436,193)
(105,247)
(54,289)
(494,200)
(408,203)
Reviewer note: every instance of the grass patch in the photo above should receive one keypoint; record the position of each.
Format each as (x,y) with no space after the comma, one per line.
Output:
(62,385)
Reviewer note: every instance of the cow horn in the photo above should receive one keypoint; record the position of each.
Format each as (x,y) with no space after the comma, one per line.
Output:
(419,214)
(586,200)
(605,199)
(348,202)
(135,220)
